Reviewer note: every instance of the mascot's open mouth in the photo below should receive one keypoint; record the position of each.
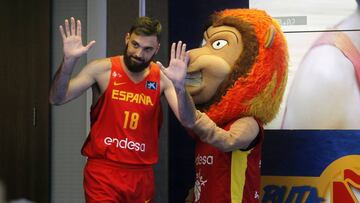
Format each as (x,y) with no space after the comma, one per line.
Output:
(193,79)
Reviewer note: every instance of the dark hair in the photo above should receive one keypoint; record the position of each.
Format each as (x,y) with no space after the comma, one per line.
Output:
(146,26)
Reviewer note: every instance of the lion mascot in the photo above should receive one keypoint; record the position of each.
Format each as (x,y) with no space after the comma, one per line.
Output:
(236,80)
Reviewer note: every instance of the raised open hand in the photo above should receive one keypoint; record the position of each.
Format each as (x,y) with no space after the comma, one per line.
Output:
(176,71)
(73,47)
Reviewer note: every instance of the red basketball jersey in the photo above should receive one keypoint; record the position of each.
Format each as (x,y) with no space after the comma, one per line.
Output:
(225,177)
(125,122)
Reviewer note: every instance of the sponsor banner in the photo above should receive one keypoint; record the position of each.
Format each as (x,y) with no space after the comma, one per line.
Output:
(311,166)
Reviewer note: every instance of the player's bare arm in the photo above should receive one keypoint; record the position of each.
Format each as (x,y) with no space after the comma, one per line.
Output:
(61,91)
(174,77)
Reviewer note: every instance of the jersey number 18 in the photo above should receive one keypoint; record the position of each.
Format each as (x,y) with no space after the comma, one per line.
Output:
(131,120)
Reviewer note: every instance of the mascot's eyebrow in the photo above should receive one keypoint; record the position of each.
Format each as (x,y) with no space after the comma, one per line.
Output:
(207,34)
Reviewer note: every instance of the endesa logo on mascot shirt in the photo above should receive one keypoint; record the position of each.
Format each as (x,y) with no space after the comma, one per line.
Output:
(311,167)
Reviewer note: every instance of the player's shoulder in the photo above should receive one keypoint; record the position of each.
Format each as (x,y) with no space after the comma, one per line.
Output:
(100,65)
(165,82)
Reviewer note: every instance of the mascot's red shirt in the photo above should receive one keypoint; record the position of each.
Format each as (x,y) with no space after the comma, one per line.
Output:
(227,176)
(125,122)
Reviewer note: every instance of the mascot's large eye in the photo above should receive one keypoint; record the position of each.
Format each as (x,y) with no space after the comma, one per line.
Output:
(218,44)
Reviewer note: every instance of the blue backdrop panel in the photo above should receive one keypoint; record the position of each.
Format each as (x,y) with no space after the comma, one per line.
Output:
(311,166)
(306,152)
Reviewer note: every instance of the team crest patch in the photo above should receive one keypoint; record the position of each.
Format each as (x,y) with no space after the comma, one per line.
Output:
(151,85)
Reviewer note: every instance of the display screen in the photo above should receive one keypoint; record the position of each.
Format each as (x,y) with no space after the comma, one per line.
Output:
(315,99)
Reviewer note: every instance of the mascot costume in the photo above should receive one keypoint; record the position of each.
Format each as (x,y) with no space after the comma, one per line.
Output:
(236,80)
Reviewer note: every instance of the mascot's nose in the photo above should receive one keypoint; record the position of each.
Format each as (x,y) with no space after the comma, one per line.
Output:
(194,54)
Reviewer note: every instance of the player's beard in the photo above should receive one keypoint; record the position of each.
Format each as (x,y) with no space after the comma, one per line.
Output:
(134,66)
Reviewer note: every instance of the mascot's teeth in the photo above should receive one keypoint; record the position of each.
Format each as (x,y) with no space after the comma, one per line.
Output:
(193,79)
(194,75)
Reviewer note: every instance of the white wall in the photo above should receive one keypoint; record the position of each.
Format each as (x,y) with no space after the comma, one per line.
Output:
(68,121)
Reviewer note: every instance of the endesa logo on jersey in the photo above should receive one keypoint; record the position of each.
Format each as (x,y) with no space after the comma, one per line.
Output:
(319,167)
(204,160)
(125,144)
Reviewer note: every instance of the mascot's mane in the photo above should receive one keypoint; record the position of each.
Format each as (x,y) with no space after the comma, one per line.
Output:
(257,82)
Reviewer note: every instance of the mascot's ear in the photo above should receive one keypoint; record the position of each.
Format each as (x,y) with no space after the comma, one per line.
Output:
(269,37)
